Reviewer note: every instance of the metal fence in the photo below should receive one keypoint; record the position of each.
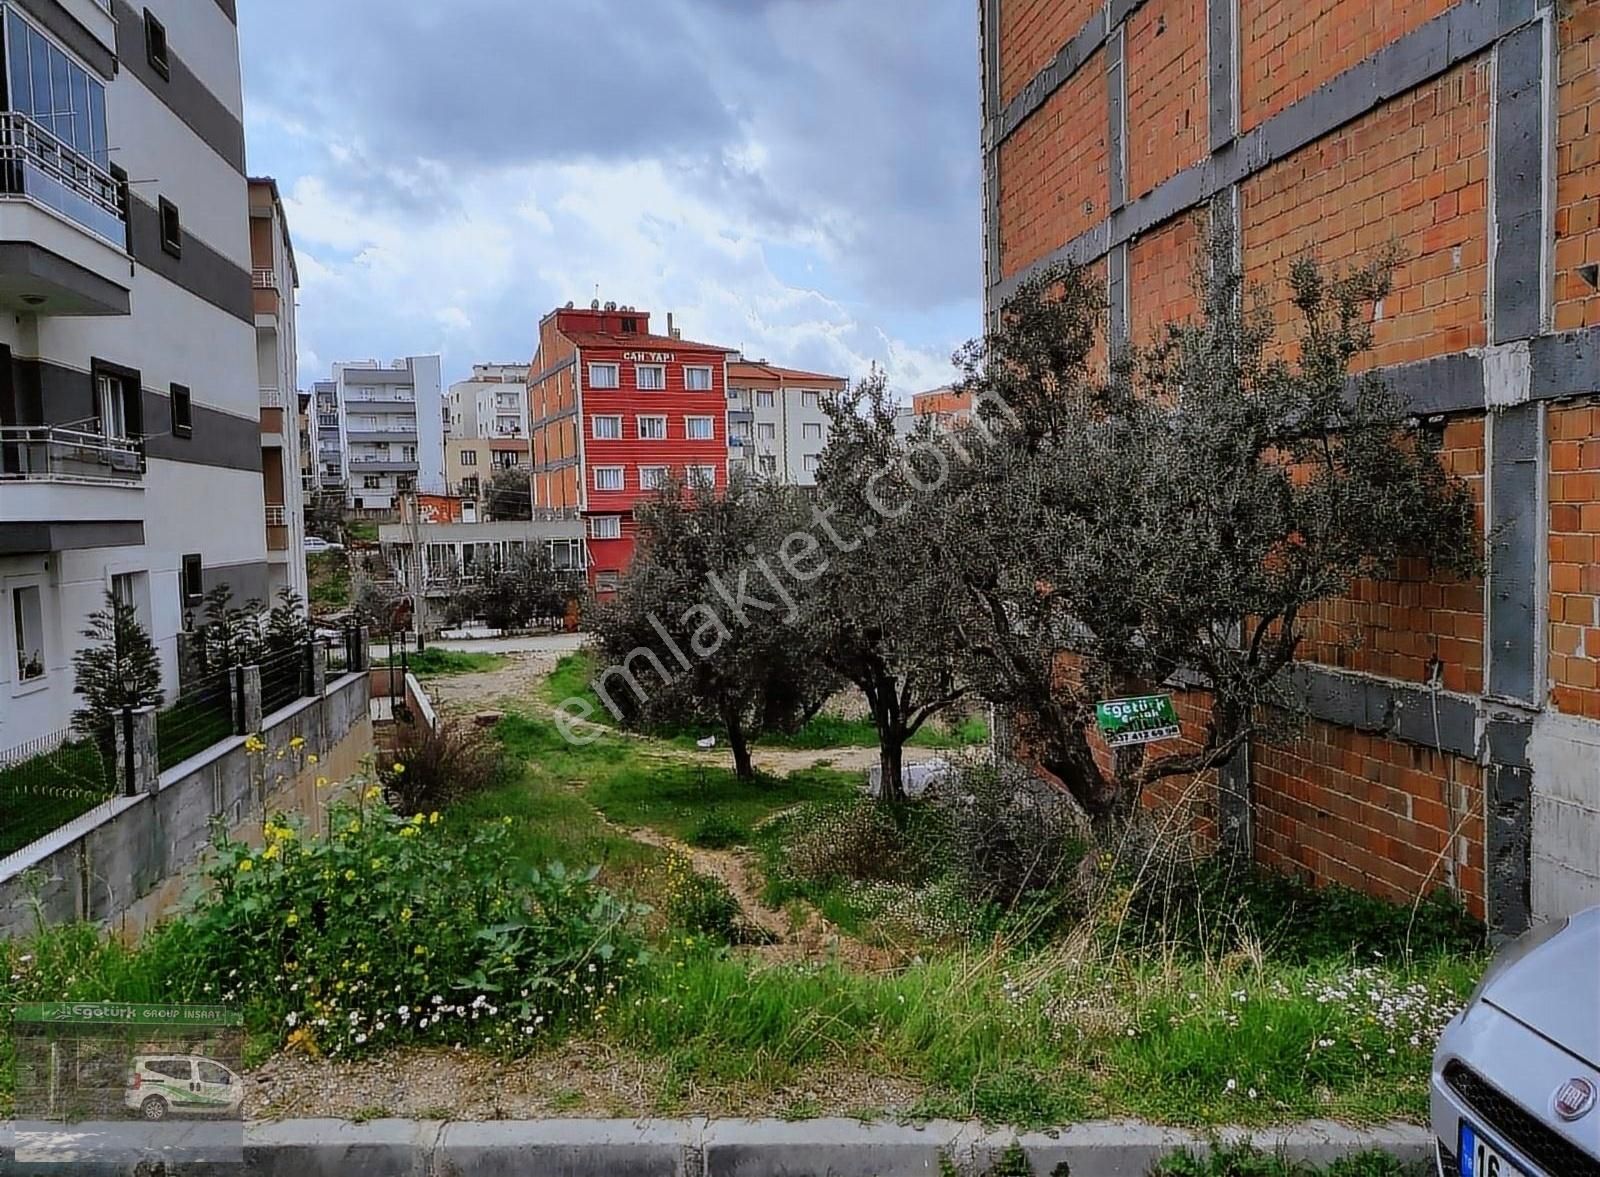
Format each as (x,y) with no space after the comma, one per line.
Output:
(48,781)
(205,713)
(284,677)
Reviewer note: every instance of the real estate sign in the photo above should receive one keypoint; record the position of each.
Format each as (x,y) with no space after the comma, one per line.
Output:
(1144,720)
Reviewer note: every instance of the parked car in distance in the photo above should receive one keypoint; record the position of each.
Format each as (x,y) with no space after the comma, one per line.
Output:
(315,544)
(1517,1073)
(184,1084)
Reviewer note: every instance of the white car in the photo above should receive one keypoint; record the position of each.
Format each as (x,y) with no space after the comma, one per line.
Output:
(1517,1073)
(316,545)
(182,1084)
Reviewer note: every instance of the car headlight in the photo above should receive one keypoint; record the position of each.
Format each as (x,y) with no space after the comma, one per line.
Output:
(1520,948)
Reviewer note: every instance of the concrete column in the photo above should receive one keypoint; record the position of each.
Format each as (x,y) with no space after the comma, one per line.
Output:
(316,670)
(247,687)
(146,762)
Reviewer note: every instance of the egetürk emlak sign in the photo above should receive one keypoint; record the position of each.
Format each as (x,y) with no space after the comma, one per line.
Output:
(120,1013)
(1143,720)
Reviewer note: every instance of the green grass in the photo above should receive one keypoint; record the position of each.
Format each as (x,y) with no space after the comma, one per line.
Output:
(435,662)
(328,574)
(45,792)
(363,530)
(570,680)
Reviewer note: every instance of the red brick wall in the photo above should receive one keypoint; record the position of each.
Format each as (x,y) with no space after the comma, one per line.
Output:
(1166,85)
(1394,627)
(1413,172)
(1032,32)
(1574,433)
(1577,303)
(1161,272)
(1289,49)
(1053,178)
(1341,806)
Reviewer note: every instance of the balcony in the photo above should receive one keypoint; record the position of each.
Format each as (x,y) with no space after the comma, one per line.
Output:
(380,436)
(382,466)
(271,398)
(268,301)
(67,488)
(62,234)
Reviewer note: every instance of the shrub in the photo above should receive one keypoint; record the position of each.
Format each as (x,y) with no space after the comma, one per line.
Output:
(855,840)
(1013,841)
(716,832)
(388,931)
(435,767)
(704,905)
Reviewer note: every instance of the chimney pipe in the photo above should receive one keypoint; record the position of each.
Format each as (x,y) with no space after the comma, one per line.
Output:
(669,324)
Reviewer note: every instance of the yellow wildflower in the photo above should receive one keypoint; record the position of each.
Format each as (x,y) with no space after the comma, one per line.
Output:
(349,876)
(297,743)
(409,832)
(322,782)
(405,915)
(246,866)
(291,919)
(398,767)
(374,793)
(312,759)
(433,818)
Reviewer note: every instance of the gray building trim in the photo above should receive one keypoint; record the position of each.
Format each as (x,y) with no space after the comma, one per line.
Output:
(31,260)
(1443,384)
(251,580)
(1517,138)
(1117,297)
(1116,108)
(183,92)
(1515,526)
(1409,712)
(230,9)
(202,271)
(1508,825)
(562,415)
(558,464)
(17,539)
(66,28)
(1080,47)
(1222,68)
(1465,31)
(1564,365)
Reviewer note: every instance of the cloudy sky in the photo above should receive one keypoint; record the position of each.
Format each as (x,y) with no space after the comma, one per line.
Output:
(799,178)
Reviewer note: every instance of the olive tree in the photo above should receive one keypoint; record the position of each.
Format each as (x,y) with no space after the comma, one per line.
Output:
(697,633)
(1180,515)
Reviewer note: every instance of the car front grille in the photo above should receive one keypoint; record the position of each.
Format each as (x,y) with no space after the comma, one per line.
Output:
(1505,1118)
(1447,1162)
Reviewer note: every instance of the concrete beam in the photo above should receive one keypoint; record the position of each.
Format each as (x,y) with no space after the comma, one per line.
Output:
(1516,527)
(1222,63)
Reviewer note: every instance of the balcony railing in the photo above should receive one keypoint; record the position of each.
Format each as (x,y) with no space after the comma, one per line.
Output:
(50,453)
(271,398)
(276,517)
(36,166)
(264,279)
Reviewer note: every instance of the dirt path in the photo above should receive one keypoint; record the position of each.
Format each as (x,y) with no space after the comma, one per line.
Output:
(518,679)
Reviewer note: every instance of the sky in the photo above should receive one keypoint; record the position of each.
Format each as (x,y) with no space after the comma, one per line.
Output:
(797,179)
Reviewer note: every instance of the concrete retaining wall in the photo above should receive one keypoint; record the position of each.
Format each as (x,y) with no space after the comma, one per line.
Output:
(127,862)
(722,1148)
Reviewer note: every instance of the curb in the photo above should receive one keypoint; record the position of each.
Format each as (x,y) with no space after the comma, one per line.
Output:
(710,1148)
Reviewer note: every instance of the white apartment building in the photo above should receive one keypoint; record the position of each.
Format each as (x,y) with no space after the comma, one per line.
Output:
(275,279)
(777,428)
(492,403)
(130,404)
(380,431)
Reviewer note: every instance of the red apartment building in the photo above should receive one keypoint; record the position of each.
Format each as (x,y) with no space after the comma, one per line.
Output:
(613,410)
(1454,726)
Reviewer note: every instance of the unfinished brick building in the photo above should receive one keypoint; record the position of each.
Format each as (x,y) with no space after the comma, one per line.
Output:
(1455,730)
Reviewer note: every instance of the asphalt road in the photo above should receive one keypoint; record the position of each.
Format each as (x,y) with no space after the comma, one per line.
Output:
(554,643)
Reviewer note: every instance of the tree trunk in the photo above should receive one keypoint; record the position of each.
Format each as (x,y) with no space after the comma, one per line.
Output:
(890,753)
(742,766)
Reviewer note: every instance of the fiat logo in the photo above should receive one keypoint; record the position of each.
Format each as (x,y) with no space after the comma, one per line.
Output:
(1574,1098)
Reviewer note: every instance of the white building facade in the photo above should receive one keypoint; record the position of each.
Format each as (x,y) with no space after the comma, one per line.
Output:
(777,428)
(492,403)
(130,412)
(380,431)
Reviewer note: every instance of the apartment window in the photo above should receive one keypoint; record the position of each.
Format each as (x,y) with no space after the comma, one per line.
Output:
(769,464)
(766,431)
(763,400)
(155,45)
(608,477)
(809,400)
(604,376)
(55,91)
(469,487)
(405,482)
(812,461)
(371,482)
(697,379)
(469,457)
(699,428)
(607,428)
(27,629)
(122,589)
(193,583)
(650,377)
(505,460)
(630,326)
(182,412)
(605,527)
(171,228)
(652,429)
(812,431)
(652,477)
(705,476)
(111,406)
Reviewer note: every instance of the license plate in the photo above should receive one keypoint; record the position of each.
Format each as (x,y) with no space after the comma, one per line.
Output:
(1481,1157)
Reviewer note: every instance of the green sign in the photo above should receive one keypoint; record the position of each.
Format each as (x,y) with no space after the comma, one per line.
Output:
(115,1014)
(1125,722)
